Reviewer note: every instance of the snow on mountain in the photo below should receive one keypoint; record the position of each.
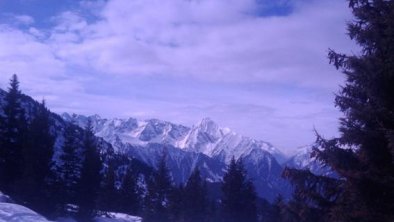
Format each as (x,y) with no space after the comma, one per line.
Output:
(146,140)
(180,162)
(205,137)
(265,173)
(303,160)
(204,145)
(132,131)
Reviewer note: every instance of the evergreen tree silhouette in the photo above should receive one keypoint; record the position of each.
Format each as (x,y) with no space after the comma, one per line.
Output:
(195,200)
(239,195)
(13,129)
(130,194)
(272,212)
(69,172)
(89,183)
(37,161)
(109,197)
(363,155)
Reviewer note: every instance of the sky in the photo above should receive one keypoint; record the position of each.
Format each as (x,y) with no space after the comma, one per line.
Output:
(259,67)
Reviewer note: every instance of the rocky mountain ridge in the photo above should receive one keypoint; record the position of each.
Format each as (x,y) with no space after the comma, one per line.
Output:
(204,145)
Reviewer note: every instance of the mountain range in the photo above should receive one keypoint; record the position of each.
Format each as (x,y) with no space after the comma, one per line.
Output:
(205,145)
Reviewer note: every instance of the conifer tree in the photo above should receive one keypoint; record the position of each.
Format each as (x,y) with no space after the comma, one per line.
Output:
(69,171)
(3,150)
(363,155)
(272,212)
(195,200)
(37,160)
(130,194)
(2,124)
(89,183)
(239,195)
(109,197)
(176,204)
(159,188)
(2,136)
(313,195)
(13,131)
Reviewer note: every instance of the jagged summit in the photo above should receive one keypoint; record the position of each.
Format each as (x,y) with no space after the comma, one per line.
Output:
(208,124)
(205,137)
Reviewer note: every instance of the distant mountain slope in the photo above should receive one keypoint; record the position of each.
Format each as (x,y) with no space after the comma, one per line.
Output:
(303,160)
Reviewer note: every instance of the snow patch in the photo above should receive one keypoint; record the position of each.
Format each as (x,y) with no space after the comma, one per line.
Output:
(16,213)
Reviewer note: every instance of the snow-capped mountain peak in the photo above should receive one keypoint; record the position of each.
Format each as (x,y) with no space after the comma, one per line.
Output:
(205,137)
(208,126)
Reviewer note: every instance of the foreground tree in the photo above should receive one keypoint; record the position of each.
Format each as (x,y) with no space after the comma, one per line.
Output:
(37,161)
(239,196)
(130,193)
(189,202)
(69,170)
(363,156)
(13,135)
(89,184)
(109,197)
(272,212)
(195,201)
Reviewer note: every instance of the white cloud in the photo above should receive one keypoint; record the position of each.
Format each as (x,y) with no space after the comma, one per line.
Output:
(210,40)
(40,72)
(23,19)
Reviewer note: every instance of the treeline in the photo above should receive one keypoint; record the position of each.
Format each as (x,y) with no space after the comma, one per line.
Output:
(191,203)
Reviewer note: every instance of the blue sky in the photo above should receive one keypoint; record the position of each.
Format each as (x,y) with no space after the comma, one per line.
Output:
(259,67)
